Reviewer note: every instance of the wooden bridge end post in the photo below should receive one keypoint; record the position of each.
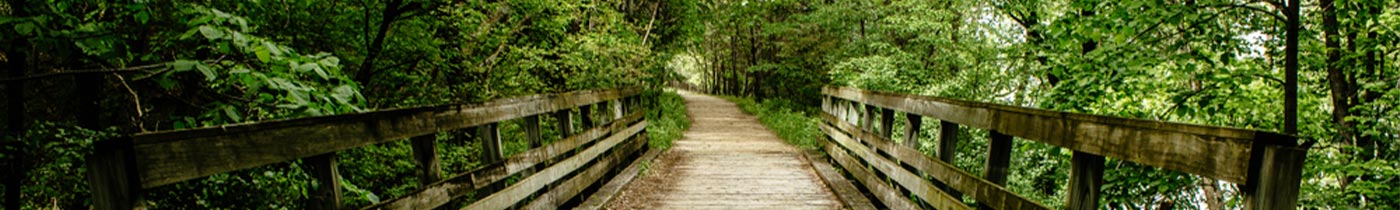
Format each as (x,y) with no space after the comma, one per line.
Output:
(324,170)
(1275,184)
(425,155)
(948,148)
(1085,177)
(998,159)
(112,176)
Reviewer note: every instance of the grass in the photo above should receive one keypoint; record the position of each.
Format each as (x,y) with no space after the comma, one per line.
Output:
(793,122)
(665,117)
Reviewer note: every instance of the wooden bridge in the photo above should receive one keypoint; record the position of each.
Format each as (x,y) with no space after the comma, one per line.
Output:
(725,162)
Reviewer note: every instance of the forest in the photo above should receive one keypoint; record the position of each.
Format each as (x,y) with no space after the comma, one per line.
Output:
(83,71)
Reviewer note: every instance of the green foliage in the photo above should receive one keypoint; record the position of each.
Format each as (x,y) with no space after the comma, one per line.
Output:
(791,121)
(56,155)
(268,80)
(666,118)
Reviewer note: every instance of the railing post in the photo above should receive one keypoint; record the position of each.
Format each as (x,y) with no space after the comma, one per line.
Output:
(1275,184)
(585,116)
(911,130)
(425,155)
(490,143)
(868,118)
(113,178)
(565,123)
(998,158)
(853,112)
(1085,176)
(619,108)
(948,148)
(887,123)
(532,131)
(323,169)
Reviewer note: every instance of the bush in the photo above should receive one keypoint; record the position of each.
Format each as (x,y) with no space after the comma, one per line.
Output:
(666,117)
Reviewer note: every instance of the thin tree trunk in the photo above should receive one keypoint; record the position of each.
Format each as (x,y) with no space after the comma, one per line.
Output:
(367,69)
(654,7)
(17,64)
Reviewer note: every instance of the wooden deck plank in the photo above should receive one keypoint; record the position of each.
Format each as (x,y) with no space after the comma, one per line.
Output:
(727,161)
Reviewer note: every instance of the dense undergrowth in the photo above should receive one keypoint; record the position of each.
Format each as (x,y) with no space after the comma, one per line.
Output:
(791,121)
(666,118)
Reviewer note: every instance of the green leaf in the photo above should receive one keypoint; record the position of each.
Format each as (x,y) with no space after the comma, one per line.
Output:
(232,114)
(208,72)
(24,29)
(263,54)
(183,65)
(305,67)
(210,32)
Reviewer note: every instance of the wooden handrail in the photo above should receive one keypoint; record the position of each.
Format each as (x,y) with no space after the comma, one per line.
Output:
(1210,151)
(123,168)
(1267,163)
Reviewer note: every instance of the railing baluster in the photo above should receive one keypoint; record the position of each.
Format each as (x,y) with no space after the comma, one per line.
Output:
(532,131)
(323,169)
(532,135)
(886,123)
(1086,173)
(585,116)
(425,155)
(867,121)
(565,123)
(911,130)
(998,158)
(853,112)
(948,148)
(619,107)
(113,177)
(490,138)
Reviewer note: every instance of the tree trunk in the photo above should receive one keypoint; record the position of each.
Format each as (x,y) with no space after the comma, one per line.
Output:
(18,65)
(367,69)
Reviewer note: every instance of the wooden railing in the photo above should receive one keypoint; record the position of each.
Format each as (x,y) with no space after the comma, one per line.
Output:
(860,123)
(550,174)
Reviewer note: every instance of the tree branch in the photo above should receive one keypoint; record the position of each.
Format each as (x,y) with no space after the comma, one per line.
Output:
(88,71)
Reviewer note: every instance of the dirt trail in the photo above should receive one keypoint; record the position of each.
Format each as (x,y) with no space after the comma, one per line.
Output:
(727,160)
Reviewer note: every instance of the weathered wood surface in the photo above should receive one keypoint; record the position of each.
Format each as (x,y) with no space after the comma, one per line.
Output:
(566,190)
(1085,178)
(324,170)
(115,186)
(726,161)
(426,159)
(847,192)
(440,193)
(985,192)
(1217,152)
(171,156)
(915,184)
(609,191)
(1278,178)
(524,188)
(887,195)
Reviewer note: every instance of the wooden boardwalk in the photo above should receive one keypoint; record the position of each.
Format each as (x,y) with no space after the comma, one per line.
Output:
(727,160)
